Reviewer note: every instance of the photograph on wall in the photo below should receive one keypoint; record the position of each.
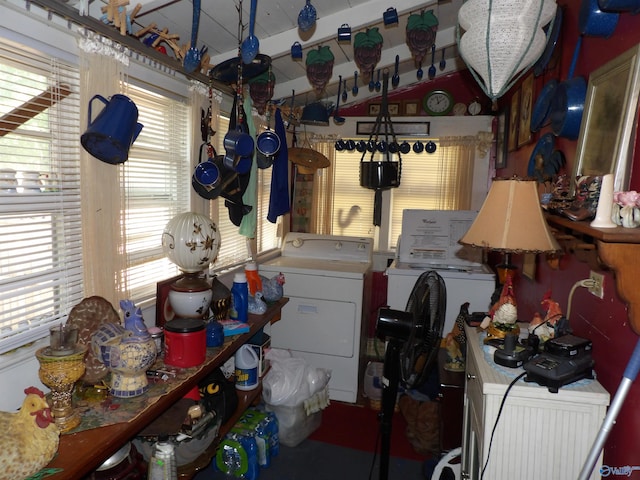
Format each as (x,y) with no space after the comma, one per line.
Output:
(514,115)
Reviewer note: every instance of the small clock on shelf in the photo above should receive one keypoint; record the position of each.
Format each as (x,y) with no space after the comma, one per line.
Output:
(438,102)
(474,108)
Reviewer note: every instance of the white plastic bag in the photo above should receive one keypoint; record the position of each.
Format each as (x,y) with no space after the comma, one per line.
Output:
(290,380)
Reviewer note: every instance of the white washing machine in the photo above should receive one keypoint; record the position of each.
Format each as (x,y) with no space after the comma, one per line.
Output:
(429,241)
(327,281)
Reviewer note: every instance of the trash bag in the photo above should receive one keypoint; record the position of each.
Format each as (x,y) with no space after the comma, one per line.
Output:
(291,380)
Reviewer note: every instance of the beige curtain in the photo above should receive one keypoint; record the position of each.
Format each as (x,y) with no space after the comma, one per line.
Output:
(458,154)
(103,70)
(322,211)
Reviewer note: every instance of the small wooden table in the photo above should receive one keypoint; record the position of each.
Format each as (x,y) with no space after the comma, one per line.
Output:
(81,453)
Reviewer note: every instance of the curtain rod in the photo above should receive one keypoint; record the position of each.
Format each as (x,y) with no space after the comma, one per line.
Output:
(134,45)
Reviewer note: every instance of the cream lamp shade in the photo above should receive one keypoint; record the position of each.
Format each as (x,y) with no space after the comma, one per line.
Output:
(511,220)
(191,241)
(500,40)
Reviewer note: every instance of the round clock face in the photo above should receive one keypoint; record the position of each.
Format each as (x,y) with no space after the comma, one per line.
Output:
(475,107)
(438,102)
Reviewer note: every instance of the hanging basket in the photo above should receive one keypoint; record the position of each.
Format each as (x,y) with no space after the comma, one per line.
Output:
(380,175)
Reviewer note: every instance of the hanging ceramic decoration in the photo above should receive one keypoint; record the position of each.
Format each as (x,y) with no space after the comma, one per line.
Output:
(261,90)
(499,41)
(319,68)
(421,34)
(307,17)
(367,49)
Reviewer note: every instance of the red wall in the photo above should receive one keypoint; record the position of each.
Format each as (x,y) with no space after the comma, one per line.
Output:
(603,321)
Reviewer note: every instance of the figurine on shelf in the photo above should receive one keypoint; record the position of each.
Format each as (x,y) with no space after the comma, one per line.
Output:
(455,359)
(128,352)
(503,315)
(544,328)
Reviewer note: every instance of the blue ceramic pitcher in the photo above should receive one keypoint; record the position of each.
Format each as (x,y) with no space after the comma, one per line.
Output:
(115,128)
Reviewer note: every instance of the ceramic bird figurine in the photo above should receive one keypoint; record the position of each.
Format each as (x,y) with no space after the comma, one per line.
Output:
(128,352)
(256,304)
(503,315)
(272,289)
(28,438)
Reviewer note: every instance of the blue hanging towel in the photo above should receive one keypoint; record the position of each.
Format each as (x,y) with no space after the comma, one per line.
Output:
(279,200)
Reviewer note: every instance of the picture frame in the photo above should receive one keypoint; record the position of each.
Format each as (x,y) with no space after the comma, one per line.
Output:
(502,137)
(609,119)
(410,107)
(394,109)
(526,105)
(164,313)
(514,115)
(374,109)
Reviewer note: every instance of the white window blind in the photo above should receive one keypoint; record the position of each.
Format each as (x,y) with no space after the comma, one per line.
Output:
(40,227)
(156,181)
(428,181)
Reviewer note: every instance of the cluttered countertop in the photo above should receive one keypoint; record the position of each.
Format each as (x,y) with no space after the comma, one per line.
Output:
(110,424)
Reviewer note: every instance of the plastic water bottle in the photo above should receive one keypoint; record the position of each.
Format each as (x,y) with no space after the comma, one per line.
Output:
(162,464)
(239,298)
(253,278)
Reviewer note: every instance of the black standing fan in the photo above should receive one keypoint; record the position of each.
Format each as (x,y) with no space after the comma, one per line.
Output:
(413,338)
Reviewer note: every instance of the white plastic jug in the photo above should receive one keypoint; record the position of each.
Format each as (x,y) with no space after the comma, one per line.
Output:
(246,360)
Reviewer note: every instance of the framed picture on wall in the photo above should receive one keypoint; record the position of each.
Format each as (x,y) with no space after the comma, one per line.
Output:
(502,136)
(394,109)
(374,109)
(410,107)
(526,104)
(606,140)
(514,115)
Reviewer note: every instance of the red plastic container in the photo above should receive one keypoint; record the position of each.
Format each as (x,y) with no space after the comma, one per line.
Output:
(185,342)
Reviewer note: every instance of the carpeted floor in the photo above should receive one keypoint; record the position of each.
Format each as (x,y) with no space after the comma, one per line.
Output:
(357,426)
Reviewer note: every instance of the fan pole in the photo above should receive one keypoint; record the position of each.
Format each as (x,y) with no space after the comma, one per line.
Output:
(391,378)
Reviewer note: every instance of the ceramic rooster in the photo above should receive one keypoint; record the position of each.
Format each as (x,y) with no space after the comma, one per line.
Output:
(28,438)
(128,352)
(544,328)
(503,315)
(272,288)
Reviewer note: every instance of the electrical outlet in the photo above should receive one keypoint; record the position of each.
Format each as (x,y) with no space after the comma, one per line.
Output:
(598,288)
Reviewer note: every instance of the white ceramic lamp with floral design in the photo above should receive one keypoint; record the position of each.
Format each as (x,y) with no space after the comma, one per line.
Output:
(191,241)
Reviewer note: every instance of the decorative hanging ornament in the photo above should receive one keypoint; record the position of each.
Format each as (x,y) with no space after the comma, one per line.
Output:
(319,68)
(421,34)
(500,39)
(367,49)
(261,90)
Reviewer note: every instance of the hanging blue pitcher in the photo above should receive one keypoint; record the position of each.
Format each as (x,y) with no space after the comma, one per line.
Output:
(115,128)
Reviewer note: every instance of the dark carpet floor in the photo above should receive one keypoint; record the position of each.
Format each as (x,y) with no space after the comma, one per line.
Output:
(313,460)
(343,447)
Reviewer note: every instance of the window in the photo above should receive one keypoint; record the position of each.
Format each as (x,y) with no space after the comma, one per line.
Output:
(156,180)
(40,227)
(428,181)
(233,246)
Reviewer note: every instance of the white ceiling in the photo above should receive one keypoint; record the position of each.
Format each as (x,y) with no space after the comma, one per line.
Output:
(276,29)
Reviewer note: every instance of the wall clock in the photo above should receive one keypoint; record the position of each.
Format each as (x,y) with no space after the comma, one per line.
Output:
(437,102)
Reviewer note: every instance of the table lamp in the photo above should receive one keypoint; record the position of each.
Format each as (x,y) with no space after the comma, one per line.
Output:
(191,241)
(511,221)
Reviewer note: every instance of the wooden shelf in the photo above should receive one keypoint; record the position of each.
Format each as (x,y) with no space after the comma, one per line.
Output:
(619,249)
(81,453)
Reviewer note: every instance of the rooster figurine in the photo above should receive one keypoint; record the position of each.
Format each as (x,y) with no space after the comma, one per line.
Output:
(128,352)
(544,328)
(28,438)
(272,288)
(503,315)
